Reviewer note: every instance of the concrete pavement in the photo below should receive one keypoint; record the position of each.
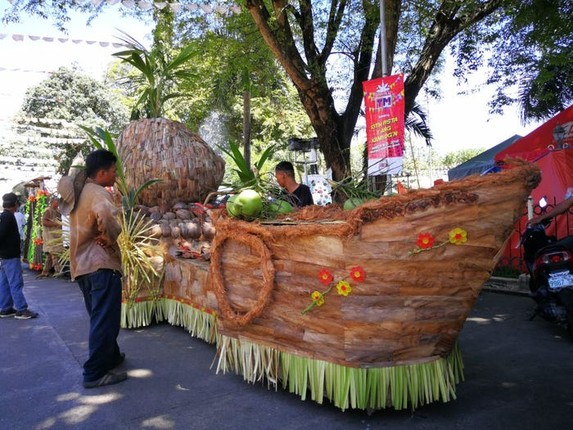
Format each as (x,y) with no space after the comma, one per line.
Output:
(518,375)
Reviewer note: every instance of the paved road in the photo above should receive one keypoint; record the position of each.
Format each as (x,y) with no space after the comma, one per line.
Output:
(519,375)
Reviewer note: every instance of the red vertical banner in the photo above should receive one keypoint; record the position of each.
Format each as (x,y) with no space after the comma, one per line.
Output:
(384,107)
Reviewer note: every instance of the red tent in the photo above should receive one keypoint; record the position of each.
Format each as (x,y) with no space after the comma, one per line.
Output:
(541,141)
(555,159)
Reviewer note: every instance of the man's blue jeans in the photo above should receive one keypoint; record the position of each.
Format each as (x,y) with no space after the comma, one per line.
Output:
(12,285)
(102,297)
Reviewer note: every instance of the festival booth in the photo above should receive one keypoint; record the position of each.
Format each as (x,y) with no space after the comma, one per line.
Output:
(481,163)
(550,147)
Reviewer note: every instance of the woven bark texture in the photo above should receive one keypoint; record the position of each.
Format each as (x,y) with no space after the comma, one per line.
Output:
(167,150)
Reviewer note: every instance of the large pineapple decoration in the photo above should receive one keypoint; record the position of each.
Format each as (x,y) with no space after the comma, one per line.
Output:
(156,147)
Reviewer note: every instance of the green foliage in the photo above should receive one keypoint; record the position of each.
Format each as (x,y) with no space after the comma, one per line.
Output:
(533,45)
(506,272)
(355,187)
(456,158)
(328,49)
(160,75)
(235,61)
(68,94)
(65,98)
(141,258)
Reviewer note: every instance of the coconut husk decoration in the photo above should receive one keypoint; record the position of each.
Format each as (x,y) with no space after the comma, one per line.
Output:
(160,148)
(361,307)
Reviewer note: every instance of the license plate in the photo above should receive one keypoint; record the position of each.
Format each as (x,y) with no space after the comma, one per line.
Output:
(560,279)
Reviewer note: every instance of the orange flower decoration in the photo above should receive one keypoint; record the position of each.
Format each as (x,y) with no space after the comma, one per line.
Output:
(32,198)
(38,241)
(425,240)
(325,276)
(357,274)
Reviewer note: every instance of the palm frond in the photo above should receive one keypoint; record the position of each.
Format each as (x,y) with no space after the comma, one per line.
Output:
(417,123)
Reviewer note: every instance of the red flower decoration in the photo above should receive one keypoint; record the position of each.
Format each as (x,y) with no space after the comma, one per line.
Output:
(425,240)
(325,276)
(357,274)
(38,241)
(32,198)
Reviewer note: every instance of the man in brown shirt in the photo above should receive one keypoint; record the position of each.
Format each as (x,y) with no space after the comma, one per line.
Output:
(95,261)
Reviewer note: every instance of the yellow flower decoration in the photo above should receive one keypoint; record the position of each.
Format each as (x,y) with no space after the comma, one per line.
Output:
(458,236)
(343,288)
(317,298)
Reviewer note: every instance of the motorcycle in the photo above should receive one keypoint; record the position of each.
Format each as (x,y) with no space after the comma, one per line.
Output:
(550,265)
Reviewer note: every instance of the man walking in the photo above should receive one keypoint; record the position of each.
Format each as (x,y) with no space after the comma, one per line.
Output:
(95,261)
(12,300)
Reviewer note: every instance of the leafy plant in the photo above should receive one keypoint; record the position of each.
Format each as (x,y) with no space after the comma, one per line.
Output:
(353,187)
(159,76)
(141,257)
(249,177)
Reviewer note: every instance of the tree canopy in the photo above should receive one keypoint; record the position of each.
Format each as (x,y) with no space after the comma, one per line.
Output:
(69,94)
(329,47)
(57,104)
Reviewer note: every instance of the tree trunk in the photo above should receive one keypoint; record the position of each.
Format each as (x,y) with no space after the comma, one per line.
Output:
(247,126)
(306,63)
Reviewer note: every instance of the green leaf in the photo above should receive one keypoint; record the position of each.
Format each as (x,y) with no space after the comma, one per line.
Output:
(265,156)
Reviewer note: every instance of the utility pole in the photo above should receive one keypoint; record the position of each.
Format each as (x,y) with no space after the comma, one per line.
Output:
(383,49)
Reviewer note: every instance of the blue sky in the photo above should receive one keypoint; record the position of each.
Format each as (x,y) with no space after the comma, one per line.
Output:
(457,122)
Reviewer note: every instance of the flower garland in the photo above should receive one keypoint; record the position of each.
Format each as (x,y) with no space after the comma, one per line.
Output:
(35,207)
(427,241)
(343,287)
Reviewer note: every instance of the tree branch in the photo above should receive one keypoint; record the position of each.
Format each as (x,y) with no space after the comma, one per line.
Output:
(334,20)
(290,58)
(445,27)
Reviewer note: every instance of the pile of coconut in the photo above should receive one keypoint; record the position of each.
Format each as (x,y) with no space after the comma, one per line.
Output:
(186,229)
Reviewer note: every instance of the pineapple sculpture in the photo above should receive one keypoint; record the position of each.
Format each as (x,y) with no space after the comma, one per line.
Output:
(159,148)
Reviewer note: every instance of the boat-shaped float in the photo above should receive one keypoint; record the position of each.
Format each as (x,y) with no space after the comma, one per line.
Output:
(361,307)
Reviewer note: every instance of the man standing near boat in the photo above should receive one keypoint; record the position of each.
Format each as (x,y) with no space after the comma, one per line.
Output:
(296,194)
(95,261)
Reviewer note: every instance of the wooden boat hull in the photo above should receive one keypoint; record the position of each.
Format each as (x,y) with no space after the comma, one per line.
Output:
(410,307)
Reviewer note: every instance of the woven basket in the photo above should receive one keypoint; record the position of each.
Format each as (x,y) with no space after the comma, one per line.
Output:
(167,150)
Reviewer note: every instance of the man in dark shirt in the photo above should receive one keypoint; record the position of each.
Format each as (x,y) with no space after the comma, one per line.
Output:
(296,194)
(12,301)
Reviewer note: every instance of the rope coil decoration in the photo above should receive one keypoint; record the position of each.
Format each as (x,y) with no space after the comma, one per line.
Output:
(257,245)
